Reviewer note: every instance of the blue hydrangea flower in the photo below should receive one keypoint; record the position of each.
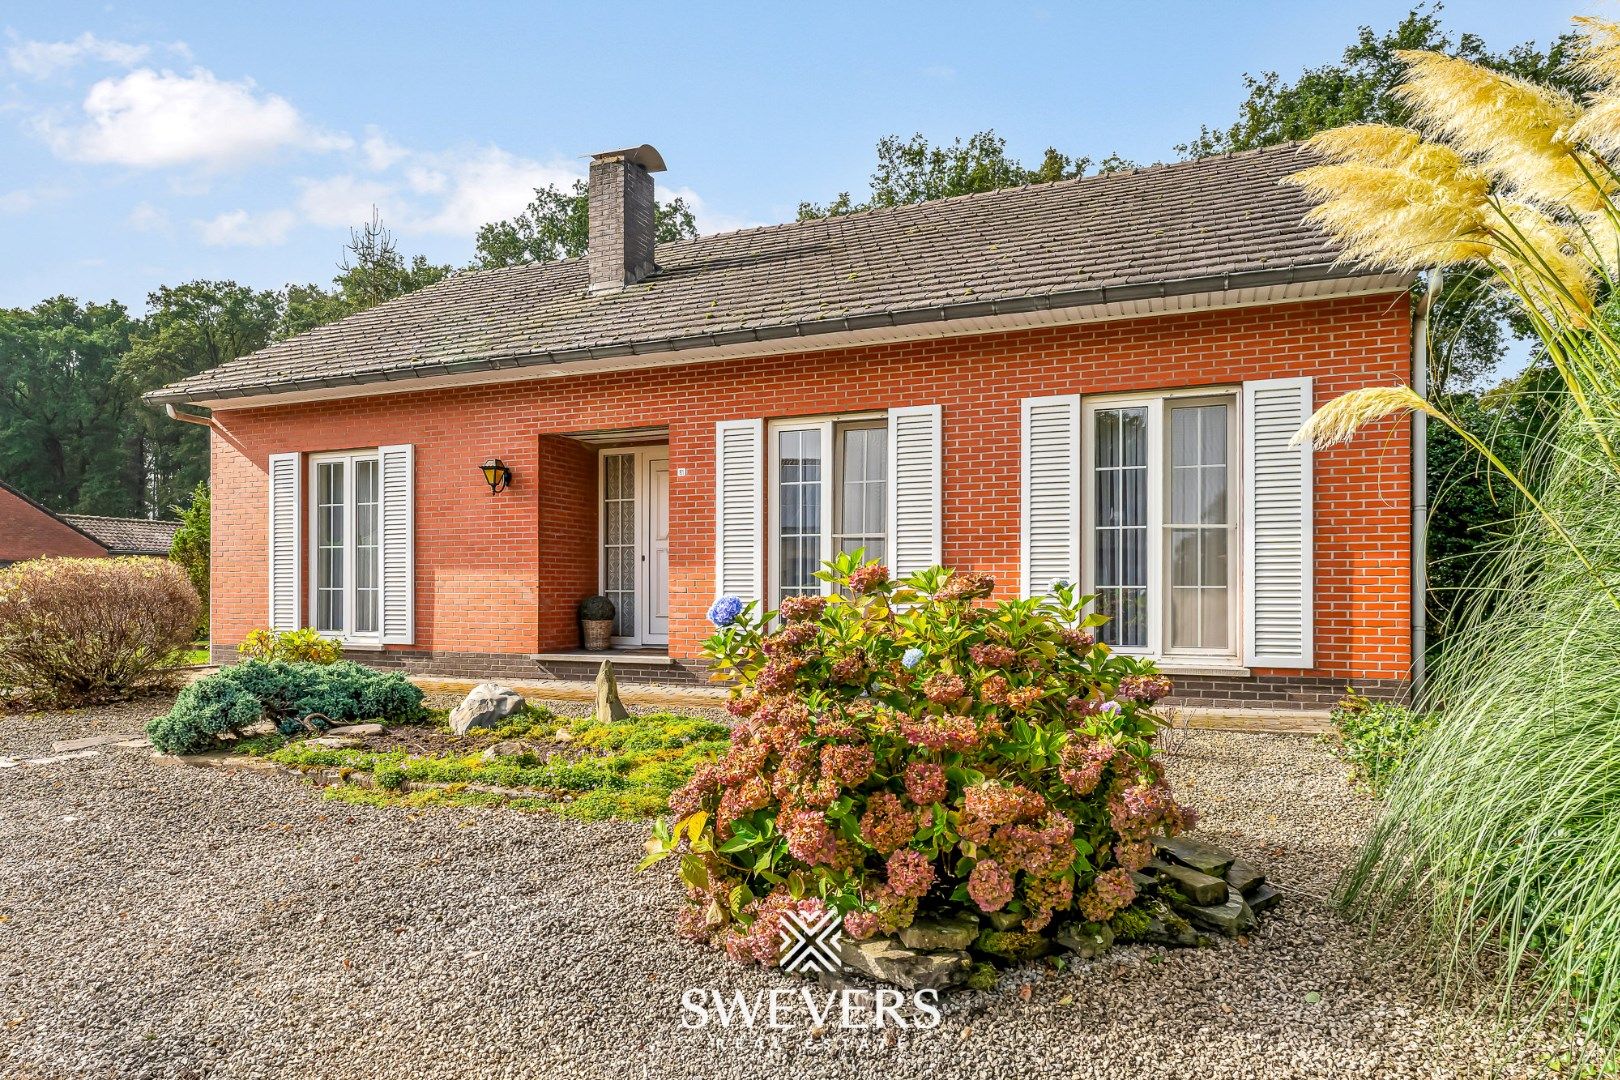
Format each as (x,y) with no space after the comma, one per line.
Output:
(1109,707)
(724,611)
(911,659)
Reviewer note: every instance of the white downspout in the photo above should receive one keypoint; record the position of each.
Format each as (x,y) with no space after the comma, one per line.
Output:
(1420,483)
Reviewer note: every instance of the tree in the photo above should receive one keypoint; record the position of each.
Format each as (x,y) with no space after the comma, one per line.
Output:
(188,329)
(556,225)
(190,548)
(1470,324)
(912,171)
(67,420)
(371,272)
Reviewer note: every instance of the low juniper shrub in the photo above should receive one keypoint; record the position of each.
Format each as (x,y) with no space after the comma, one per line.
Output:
(288,695)
(909,748)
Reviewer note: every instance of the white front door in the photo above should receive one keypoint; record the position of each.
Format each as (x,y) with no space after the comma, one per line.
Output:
(656,630)
(635,543)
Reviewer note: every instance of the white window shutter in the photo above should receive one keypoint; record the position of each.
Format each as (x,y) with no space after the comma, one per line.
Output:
(397,466)
(739,509)
(286,555)
(1050,502)
(1278,530)
(915,486)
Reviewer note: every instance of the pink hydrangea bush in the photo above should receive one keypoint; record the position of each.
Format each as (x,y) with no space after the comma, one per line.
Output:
(913,747)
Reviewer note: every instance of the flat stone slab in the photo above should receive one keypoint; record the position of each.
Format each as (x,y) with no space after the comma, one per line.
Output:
(1244,877)
(1231,918)
(1205,858)
(356,730)
(50,759)
(85,744)
(1195,885)
(889,962)
(953,934)
(133,744)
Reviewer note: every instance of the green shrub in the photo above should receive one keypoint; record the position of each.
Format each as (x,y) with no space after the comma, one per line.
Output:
(236,697)
(89,630)
(596,609)
(304,646)
(909,747)
(1377,738)
(190,547)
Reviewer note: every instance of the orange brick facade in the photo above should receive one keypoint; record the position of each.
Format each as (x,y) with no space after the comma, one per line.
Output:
(501,573)
(27,532)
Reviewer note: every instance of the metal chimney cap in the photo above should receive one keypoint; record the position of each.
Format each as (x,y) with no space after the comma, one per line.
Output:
(644,155)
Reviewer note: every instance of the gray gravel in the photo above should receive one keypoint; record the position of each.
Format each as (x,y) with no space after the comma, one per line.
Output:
(162,921)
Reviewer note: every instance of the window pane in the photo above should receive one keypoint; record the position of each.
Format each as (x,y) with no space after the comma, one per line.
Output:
(1184,562)
(366,569)
(1213,557)
(1120,530)
(1213,481)
(619,540)
(1184,619)
(860,509)
(1214,621)
(329,546)
(798,493)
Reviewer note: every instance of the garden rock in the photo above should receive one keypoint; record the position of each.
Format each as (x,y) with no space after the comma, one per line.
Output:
(356,729)
(487,706)
(609,709)
(1205,858)
(1086,940)
(1196,886)
(1165,927)
(951,933)
(910,969)
(507,748)
(1244,878)
(1264,898)
(336,742)
(1231,918)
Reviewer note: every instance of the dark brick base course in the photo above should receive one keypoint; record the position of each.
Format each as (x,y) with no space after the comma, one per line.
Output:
(1277,691)
(1207,691)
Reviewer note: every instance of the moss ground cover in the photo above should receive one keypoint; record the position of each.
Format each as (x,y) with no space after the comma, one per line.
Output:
(579,767)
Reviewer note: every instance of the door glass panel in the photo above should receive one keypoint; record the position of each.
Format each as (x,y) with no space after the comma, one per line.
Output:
(619,540)
(798,493)
(329,546)
(1120,531)
(1198,527)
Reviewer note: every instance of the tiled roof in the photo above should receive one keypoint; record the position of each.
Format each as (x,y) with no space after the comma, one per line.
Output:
(1169,229)
(126,536)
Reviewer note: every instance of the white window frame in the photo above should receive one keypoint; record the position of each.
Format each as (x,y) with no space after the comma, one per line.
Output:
(640,473)
(830,464)
(349,458)
(1158,484)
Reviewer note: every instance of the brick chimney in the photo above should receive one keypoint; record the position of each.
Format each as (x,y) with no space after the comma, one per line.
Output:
(621,212)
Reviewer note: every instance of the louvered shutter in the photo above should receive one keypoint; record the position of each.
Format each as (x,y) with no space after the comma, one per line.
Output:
(1277,525)
(284,549)
(397,466)
(915,481)
(1050,506)
(739,508)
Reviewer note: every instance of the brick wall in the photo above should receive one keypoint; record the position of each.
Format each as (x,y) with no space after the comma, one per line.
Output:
(501,573)
(27,532)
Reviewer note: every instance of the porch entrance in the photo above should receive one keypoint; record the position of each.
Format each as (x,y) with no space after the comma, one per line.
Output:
(635,542)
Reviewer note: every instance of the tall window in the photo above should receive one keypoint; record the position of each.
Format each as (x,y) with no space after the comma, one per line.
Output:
(1199,524)
(828,494)
(1162,534)
(1120,545)
(346,582)
(619,540)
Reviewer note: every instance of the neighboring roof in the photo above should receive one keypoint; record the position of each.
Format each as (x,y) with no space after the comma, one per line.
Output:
(1196,226)
(126,536)
(48,512)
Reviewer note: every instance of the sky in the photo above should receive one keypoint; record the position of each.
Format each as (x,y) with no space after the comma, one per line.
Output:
(144,144)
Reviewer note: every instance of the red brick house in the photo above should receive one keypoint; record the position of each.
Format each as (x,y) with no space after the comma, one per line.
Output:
(28,530)
(1092,381)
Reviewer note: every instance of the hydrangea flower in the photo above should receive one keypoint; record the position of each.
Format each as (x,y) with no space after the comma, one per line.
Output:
(724,611)
(912,658)
(989,885)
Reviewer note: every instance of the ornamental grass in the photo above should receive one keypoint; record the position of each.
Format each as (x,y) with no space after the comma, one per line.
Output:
(1503,833)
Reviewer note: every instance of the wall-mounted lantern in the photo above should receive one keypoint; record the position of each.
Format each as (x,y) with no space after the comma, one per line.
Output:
(496,474)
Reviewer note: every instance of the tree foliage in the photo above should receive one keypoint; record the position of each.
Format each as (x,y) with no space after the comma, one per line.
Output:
(913,170)
(191,546)
(556,225)
(371,272)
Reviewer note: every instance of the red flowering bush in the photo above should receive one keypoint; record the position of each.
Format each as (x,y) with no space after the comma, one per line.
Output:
(911,747)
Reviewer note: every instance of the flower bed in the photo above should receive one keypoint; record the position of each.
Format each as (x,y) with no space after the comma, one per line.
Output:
(911,751)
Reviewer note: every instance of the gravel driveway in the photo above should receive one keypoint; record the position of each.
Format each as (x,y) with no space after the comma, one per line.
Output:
(162,921)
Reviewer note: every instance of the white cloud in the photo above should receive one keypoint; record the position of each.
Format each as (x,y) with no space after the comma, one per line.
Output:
(153,119)
(478,187)
(238,228)
(381,152)
(42,59)
(16,202)
(342,200)
(148,218)
(708,220)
